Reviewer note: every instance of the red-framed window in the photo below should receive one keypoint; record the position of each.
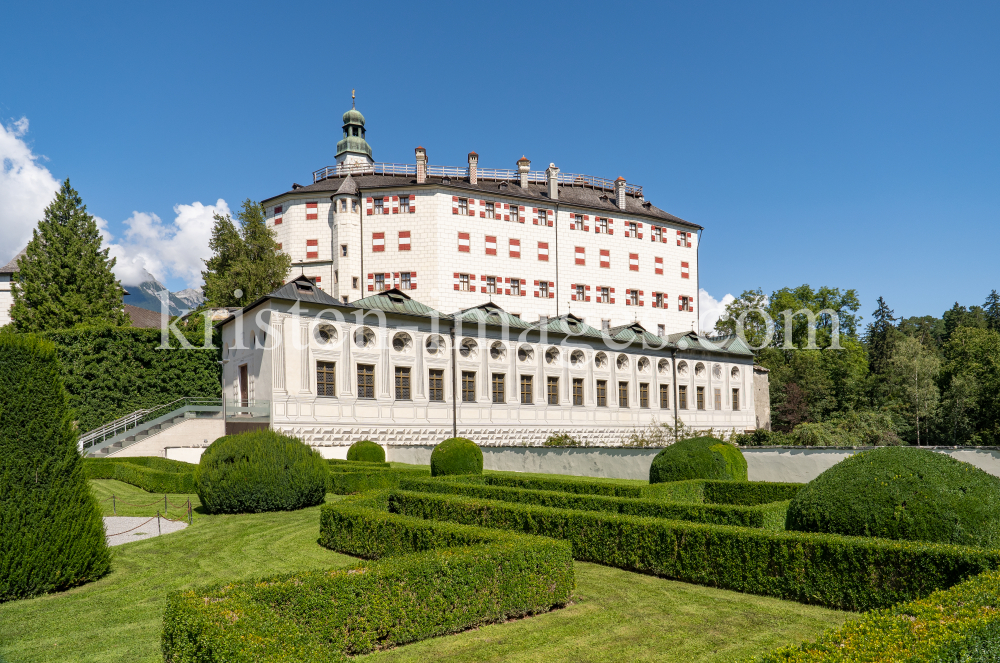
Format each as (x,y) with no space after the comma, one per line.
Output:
(378,242)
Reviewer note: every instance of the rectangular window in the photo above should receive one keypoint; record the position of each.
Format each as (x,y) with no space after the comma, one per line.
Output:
(633,262)
(658,301)
(685,271)
(543,251)
(542,217)
(578,221)
(700,396)
(736,399)
(402,383)
(577,391)
(343,250)
(631,230)
(463,242)
(718,398)
(404,205)
(514,247)
(354,282)
(552,390)
(490,211)
(581,255)
(664,396)
(513,213)
(491,285)
(468,386)
(405,281)
(366,381)
(463,282)
(379,206)
(604,295)
(682,397)
(491,245)
(579,293)
(527,393)
(657,234)
(543,289)
(602,393)
(404,240)
(633,297)
(602,225)
(515,287)
(378,242)
(499,388)
(685,303)
(661,330)
(435,384)
(463,206)
(379,282)
(605,258)
(643,394)
(623,394)
(326,379)
(606,326)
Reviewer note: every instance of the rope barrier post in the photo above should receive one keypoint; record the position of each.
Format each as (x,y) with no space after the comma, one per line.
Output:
(114,508)
(164,504)
(158,530)
(190,518)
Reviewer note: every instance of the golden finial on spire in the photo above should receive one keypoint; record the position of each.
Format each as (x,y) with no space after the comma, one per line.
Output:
(352,98)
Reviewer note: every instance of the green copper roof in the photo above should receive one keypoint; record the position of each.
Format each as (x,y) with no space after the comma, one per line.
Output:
(394,301)
(354,135)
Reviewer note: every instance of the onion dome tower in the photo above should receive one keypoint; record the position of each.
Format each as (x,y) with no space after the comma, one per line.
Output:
(353,148)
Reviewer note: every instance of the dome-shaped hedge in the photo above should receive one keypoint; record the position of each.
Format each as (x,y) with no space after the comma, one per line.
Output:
(698,458)
(260,471)
(901,493)
(456,455)
(367,451)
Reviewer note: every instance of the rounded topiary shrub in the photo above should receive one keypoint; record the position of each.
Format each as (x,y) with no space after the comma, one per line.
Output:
(260,471)
(901,493)
(366,451)
(51,533)
(698,458)
(456,455)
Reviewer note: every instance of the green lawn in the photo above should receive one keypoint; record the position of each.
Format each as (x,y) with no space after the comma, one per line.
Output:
(132,501)
(616,615)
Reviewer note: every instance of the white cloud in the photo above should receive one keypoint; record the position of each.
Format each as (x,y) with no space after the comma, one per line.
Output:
(26,189)
(711,310)
(165,250)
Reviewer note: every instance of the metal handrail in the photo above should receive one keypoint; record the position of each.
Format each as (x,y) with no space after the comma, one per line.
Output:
(537,176)
(133,420)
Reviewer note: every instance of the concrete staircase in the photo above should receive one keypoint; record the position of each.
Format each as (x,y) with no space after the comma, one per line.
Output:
(143,424)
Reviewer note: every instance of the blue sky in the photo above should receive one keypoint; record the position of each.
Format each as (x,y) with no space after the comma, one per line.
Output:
(844,144)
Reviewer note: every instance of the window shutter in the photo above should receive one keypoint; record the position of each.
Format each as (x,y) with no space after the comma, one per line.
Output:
(456,280)
(524,287)
(639,228)
(454,204)
(611,226)
(369,204)
(572,288)
(413,204)
(395,204)
(378,242)
(371,283)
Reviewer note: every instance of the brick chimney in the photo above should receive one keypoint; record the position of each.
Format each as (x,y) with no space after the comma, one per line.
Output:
(552,180)
(523,166)
(473,166)
(421,165)
(620,192)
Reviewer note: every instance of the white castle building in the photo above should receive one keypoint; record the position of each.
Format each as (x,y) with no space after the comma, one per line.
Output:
(504,305)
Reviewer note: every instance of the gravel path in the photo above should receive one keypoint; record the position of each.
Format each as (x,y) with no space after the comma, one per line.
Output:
(117,528)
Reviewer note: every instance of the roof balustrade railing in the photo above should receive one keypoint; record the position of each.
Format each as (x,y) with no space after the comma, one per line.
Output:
(497,174)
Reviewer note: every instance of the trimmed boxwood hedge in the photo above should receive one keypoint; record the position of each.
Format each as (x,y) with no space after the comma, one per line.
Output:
(440,578)
(456,455)
(698,458)
(260,471)
(902,493)
(51,533)
(771,516)
(849,573)
(142,473)
(349,483)
(367,451)
(957,624)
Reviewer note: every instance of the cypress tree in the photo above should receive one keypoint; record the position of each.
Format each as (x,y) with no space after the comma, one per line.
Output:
(50,524)
(246,263)
(64,278)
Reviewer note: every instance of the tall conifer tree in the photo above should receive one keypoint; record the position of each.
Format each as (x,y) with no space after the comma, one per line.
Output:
(64,278)
(246,262)
(880,337)
(992,307)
